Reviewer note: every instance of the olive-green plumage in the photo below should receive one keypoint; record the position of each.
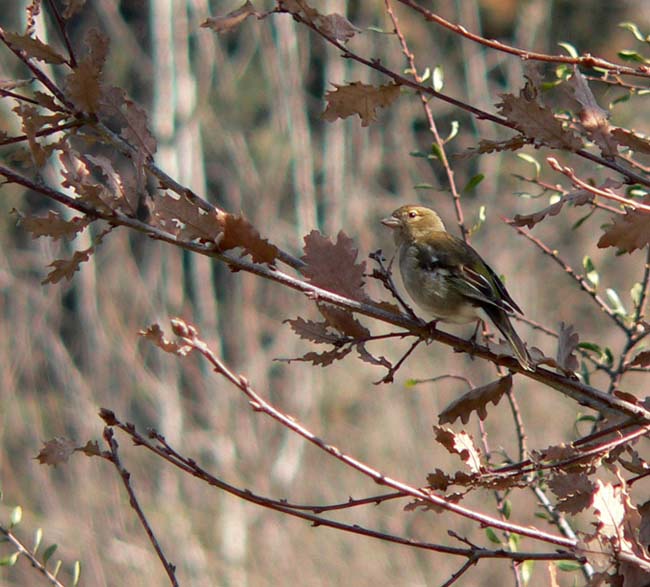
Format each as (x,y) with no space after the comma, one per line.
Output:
(447,278)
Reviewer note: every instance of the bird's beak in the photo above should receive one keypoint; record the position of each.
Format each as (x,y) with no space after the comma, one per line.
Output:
(390,221)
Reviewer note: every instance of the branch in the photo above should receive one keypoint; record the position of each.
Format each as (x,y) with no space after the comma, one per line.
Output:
(584,394)
(586,60)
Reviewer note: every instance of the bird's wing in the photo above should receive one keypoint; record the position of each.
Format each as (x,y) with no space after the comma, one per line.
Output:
(474,279)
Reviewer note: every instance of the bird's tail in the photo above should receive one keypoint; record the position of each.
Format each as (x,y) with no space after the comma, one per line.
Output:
(502,322)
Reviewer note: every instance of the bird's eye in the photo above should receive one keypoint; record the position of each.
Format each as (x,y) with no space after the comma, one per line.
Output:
(413,214)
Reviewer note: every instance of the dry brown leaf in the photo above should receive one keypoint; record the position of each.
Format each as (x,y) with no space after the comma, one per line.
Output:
(34,48)
(53,225)
(66,268)
(578,198)
(461,444)
(487,146)
(627,233)
(634,141)
(343,321)
(359,98)
(184,219)
(537,122)
(475,400)
(78,177)
(239,232)
(369,358)
(593,118)
(84,83)
(336,26)
(56,451)
(155,335)
(573,490)
(72,7)
(322,359)
(439,480)
(333,266)
(609,509)
(641,360)
(317,332)
(566,345)
(644,526)
(136,128)
(222,24)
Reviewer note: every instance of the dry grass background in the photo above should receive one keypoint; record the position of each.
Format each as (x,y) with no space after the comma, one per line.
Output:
(237,119)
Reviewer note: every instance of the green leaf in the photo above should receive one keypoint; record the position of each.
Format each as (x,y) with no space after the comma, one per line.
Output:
(425,76)
(38,537)
(590,346)
(76,573)
(615,301)
(629,55)
(452,132)
(49,551)
(636,191)
(568,567)
(438,80)
(435,152)
(424,186)
(578,223)
(630,26)
(492,536)
(635,294)
(609,357)
(9,561)
(473,182)
(590,269)
(507,509)
(586,418)
(376,29)
(419,154)
(530,159)
(526,571)
(569,48)
(513,542)
(16,516)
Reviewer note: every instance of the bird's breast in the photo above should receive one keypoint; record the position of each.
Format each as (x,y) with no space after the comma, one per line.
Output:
(430,285)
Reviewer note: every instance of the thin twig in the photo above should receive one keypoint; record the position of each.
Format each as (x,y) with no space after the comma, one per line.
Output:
(170,569)
(29,555)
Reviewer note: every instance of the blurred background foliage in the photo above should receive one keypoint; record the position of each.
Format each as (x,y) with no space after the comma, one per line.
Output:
(237,118)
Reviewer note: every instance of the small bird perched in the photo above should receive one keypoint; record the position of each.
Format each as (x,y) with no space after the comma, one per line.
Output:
(448,278)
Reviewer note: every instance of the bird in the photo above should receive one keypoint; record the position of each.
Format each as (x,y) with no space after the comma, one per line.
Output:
(448,279)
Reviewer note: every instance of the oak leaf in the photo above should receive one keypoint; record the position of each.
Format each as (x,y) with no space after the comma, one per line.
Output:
(181,217)
(317,332)
(56,451)
(577,198)
(476,400)
(634,141)
(239,232)
(322,359)
(343,321)
(593,118)
(566,346)
(66,268)
(574,491)
(641,360)
(627,233)
(333,266)
(222,24)
(34,48)
(359,98)
(155,335)
(537,122)
(461,444)
(53,225)
(72,7)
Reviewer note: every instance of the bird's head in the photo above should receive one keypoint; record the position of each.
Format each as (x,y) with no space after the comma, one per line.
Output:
(413,222)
